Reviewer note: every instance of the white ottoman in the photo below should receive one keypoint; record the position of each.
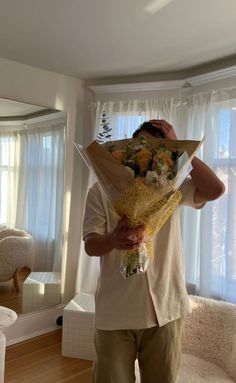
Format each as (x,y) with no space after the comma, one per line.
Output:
(7,317)
(78,327)
(41,289)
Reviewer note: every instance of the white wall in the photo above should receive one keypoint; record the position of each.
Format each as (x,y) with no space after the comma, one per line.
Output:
(35,86)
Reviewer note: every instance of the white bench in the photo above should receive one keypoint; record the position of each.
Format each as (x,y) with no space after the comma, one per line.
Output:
(41,289)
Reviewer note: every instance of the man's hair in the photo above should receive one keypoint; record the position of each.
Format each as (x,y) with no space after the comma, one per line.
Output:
(149,128)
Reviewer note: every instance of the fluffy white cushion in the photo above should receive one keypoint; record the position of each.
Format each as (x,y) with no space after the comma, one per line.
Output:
(210,333)
(197,370)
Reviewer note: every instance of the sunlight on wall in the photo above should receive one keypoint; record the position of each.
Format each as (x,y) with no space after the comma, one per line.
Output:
(65,242)
(59,104)
(156,5)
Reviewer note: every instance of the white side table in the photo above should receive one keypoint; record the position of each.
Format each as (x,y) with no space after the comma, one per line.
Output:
(41,289)
(7,317)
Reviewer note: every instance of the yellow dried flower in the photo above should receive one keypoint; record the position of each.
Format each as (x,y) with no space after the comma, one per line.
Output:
(143,205)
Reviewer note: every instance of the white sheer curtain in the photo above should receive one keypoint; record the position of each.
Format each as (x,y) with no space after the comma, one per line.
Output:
(9,163)
(41,190)
(32,186)
(208,235)
(125,117)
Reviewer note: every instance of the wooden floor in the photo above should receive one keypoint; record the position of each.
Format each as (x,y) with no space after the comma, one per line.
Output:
(39,360)
(8,295)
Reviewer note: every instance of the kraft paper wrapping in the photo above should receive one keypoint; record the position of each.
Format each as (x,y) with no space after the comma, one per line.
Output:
(141,204)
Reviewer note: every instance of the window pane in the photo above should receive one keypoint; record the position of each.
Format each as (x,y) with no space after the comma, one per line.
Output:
(7,148)
(224,235)
(224,210)
(4,194)
(125,125)
(224,135)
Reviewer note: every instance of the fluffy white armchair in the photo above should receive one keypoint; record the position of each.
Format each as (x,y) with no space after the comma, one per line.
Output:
(209,343)
(2,356)
(208,347)
(16,251)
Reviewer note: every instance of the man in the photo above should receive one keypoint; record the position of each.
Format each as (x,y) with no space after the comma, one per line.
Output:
(142,316)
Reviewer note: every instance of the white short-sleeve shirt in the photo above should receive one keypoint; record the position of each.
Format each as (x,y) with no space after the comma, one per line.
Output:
(145,300)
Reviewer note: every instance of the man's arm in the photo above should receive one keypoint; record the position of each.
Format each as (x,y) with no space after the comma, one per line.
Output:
(208,186)
(122,237)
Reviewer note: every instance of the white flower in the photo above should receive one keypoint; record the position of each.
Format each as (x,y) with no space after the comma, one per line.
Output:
(158,181)
(131,171)
(163,181)
(151,177)
(164,168)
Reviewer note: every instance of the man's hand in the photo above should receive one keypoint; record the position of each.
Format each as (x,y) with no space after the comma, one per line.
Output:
(166,128)
(124,237)
(208,186)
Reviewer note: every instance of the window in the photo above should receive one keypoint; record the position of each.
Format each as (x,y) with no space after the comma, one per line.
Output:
(8,160)
(224,209)
(32,188)
(209,234)
(126,125)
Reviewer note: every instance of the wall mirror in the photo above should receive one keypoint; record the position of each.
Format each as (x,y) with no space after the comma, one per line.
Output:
(32,161)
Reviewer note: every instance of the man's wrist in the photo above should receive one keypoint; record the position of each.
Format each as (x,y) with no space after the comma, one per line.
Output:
(109,241)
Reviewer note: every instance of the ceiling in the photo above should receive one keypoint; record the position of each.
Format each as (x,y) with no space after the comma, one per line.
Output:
(9,108)
(18,110)
(96,39)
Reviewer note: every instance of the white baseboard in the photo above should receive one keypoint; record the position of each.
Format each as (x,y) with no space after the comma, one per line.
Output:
(33,324)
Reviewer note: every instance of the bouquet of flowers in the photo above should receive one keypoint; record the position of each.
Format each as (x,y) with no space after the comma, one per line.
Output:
(141,177)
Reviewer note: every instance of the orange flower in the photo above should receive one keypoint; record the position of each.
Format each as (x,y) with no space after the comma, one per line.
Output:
(119,155)
(141,179)
(143,158)
(164,157)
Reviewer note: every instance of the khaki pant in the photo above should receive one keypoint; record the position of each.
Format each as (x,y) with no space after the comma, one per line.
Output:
(157,349)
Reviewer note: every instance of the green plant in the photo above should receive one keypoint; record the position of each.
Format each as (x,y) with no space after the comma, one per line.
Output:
(105,135)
